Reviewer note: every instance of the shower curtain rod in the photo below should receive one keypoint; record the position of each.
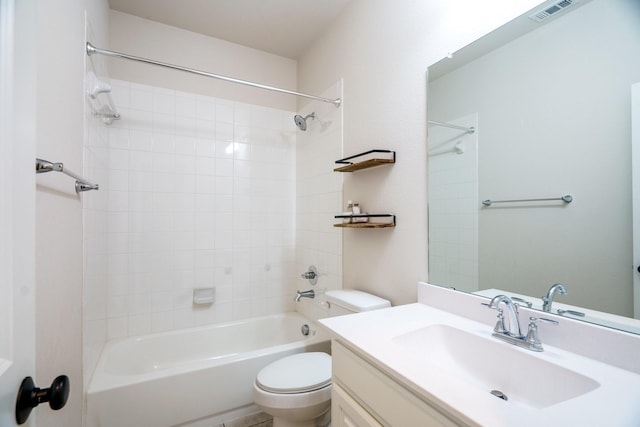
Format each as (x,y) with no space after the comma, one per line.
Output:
(91,49)
(449,125)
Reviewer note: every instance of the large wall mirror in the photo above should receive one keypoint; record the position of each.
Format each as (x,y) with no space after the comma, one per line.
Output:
(535,111)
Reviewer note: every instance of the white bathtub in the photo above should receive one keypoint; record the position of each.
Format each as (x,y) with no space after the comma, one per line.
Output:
(178,377)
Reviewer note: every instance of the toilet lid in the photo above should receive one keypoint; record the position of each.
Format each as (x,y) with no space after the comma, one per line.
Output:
(297,373)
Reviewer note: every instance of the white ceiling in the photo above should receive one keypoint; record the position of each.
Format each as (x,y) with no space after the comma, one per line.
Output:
(281,27)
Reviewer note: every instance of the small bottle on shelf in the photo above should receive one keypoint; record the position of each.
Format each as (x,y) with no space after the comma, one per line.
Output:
(349,212)
(356,208)
(357,211)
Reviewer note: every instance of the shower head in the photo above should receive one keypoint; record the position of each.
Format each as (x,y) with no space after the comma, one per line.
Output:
(301,122)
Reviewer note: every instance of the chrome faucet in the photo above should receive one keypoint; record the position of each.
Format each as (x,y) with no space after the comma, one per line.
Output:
(547,300)
(513,335)
(512,313)
(305,294)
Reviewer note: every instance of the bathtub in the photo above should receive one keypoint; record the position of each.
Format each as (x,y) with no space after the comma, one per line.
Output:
(180,377)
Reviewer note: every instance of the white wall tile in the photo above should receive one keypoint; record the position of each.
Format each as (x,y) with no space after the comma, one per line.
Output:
(117,327)
(185,144)
(205,165)
(139,324)
(140,98)
(162,321)
(136,161)
(205,129)
(180,209)
(224,111)
(205,147)
(164,102)
(205,108)
(242,114)
(185,105)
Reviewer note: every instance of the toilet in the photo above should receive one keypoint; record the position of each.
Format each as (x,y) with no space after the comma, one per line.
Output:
(296,390)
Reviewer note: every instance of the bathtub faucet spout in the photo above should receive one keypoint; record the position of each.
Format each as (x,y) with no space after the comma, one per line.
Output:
(305,294)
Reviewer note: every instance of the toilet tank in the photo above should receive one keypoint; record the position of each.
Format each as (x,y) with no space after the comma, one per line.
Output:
(348,301)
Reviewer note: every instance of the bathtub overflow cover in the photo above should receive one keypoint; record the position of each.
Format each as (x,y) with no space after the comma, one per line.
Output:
(305,329)
(498,393)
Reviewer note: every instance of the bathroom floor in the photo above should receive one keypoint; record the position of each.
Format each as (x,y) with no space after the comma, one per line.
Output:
(254,420)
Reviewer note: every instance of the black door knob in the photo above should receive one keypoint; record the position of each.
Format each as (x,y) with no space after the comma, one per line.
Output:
(30,396)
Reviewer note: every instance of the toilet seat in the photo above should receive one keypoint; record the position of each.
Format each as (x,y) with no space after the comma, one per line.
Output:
(298,373)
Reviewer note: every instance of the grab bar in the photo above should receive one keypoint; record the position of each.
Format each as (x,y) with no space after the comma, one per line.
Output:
(567,199)
(43,166)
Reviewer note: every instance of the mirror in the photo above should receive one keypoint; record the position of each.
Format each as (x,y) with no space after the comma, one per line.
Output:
(538,110)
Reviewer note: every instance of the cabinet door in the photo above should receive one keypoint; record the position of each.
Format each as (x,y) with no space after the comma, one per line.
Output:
(390,402)
(346,412)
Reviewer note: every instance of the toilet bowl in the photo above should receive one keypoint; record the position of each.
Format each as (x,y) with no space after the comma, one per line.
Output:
(296,390)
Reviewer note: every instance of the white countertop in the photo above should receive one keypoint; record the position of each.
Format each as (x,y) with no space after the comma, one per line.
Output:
(616,402)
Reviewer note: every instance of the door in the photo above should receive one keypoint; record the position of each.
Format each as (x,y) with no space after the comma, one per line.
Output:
(635,171)
(17,205)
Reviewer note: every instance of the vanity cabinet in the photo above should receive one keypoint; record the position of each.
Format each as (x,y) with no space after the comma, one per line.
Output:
(364,396)
(346,412)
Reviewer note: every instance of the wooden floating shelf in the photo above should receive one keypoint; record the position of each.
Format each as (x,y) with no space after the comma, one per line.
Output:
(366,224)
(364,164)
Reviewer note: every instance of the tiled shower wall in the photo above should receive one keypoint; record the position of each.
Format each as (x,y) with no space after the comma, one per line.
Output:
(319,198)
(199,192)
(453,205)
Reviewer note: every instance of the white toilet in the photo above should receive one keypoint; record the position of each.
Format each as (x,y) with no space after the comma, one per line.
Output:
(296,390)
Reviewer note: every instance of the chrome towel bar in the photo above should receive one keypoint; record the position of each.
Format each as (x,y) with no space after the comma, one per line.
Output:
(567,199)
(82,184)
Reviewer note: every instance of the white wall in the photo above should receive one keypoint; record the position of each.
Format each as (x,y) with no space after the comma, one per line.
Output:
(149,39)
(17,192)
(382,50)
(60,30)
(570,136)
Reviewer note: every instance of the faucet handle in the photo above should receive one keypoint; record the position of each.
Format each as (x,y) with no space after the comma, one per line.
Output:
(522,301)
(500,328)
(533,339)
(311,274)
(534,320)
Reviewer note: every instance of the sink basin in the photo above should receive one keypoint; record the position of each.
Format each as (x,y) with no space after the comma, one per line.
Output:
(495,366)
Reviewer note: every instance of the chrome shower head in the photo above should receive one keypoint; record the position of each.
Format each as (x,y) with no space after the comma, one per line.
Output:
(301,122)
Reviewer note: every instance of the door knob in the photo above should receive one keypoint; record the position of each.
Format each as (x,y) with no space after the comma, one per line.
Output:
(30,396)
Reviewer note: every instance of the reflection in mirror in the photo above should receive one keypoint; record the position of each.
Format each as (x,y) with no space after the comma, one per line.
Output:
(551,112)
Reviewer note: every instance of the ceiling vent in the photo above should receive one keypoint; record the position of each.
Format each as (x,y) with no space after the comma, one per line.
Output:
(553,9)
